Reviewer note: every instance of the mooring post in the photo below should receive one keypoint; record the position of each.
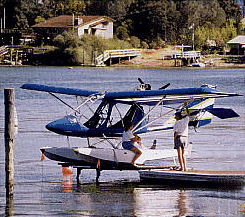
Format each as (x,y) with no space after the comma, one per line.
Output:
(9,100)
(92,57)
(83,57)
(95,56)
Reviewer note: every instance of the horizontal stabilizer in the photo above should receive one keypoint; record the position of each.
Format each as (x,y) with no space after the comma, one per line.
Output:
(223,113)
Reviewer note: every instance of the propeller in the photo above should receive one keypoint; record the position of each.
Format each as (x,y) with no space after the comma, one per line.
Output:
(148,86)
(144,85)
(164,87)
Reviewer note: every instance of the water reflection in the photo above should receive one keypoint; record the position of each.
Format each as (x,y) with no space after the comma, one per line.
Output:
(182,204)
(161,202)
(106,199)
(125,199)
(67,182)
(132,198)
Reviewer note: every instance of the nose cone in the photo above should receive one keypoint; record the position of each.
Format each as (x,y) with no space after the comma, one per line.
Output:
(67,125)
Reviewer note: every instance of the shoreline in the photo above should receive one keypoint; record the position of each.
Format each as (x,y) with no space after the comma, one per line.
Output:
(154,59)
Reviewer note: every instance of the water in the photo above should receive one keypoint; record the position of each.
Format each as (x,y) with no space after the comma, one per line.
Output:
(41,190)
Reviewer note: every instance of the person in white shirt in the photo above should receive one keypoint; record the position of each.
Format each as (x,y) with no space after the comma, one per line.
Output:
(181,136)
(128,140)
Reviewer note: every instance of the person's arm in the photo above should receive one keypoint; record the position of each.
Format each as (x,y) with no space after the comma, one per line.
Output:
(187,110)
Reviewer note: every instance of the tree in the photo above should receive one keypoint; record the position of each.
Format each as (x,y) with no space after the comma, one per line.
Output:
(232,10)
(220,35)
(122,33)
(149,19)
(14,17)
(32,10)
(67,40)
(117,9)
(39,19)
(67,52)
(229,30)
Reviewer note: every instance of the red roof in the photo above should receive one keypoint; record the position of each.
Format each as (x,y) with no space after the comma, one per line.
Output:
(66,21)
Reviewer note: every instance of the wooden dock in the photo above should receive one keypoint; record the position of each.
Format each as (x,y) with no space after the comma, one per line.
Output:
(194,176)
(181,57)
(112,54)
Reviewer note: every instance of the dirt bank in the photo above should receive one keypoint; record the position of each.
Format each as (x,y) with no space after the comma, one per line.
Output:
(156,58)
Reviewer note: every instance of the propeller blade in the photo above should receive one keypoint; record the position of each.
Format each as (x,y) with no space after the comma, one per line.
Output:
(139,79)
(164,87)
(148,86)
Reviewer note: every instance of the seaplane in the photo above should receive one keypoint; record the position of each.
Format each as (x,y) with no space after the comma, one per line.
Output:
(100,117)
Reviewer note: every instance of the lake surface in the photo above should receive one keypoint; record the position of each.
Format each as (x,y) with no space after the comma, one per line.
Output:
(41,189)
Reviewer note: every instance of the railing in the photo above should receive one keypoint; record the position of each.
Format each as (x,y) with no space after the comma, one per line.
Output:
(100,60)
(186,54)
(3,50)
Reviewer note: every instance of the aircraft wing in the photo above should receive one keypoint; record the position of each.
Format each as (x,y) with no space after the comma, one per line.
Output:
(61,90)
(144,97)
(170,96)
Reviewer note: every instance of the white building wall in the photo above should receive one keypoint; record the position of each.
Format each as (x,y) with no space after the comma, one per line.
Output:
(104,31)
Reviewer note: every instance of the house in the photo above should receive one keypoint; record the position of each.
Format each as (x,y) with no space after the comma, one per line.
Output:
(237,45)
(81,25)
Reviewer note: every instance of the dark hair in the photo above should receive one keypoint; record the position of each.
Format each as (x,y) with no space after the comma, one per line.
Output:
(178,114)
(127,126)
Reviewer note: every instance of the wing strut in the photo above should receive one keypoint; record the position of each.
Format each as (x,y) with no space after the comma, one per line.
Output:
(160,101)
(159,117)
(63,102)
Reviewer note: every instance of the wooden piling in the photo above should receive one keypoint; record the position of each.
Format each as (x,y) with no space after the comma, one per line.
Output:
(83,56)
(9,100)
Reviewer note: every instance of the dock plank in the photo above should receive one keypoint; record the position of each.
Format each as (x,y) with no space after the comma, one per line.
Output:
(195,175)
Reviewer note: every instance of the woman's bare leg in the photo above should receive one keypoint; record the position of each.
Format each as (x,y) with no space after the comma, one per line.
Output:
(183,159)
(137,153)
(180,158)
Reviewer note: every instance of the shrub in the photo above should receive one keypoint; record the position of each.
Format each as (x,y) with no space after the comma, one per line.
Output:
(144,45)
(122,33)
(70,50)
(135,42)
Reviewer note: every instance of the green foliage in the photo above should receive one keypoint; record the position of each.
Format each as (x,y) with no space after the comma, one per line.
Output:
(122,33)
(70,50)
(157,43)
(220,35)
(90,43)
(39,19)
(135,42)
(155,22)
(170,20)
(232,10)
(69,7)
(228,31)
(67,40)
(144,45)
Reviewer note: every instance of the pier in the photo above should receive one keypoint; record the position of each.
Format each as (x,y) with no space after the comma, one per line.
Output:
(18,55)
(181,57)
(109,55)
